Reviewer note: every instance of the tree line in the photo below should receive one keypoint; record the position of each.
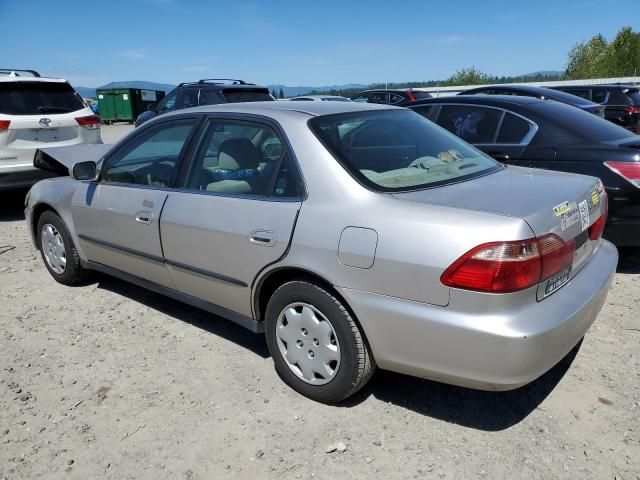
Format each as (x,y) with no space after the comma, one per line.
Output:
(595,58)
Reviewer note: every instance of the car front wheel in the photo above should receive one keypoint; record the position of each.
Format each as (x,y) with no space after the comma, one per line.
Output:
(58,251)
(317,347)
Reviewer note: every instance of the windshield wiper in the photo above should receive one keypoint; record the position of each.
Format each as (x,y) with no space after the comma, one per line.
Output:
(50,109)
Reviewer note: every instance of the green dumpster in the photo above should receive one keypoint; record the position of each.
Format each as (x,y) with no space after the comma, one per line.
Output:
(125,104)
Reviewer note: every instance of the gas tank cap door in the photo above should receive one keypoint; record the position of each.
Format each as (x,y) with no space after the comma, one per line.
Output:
(357,247)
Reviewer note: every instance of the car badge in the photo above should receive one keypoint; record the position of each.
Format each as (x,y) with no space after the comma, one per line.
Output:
(45,122)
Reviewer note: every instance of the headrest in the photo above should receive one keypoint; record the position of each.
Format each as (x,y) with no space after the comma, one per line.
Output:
(238,154)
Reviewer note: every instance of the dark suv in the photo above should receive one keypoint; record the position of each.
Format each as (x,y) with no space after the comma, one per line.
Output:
(621,102)
(208,91)
(390,97)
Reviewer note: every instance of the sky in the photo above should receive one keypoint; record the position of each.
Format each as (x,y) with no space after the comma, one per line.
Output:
(298,42)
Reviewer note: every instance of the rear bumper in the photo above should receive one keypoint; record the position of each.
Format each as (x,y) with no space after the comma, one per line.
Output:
(495,344)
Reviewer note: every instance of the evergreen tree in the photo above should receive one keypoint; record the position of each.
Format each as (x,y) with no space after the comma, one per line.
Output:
(281,95)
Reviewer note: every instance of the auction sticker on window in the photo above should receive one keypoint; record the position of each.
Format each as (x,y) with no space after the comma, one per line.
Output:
(558,280)
(584,214)
(569,217)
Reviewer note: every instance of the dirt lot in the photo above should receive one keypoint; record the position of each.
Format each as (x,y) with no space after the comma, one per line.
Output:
(107,380)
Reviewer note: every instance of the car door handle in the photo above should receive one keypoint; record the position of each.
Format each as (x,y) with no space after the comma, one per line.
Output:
(266,238)
(144,217)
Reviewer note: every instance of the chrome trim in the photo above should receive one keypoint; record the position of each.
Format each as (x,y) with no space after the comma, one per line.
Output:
(114,246)
(207,273)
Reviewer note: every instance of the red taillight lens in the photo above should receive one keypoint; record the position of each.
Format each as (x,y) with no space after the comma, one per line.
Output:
(632,110)
(597,227)
(91,121)
(410,96)
(504,267)
(628,170)
(4,124)
(497,267)
(556,255)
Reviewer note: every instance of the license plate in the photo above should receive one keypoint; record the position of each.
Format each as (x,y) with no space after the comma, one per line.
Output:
(558,280)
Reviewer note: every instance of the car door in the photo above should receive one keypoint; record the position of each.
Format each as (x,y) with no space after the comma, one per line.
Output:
(117,217)
(233,214)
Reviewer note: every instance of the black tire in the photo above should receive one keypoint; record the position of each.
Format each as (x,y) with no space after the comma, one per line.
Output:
(73,272)
(356,362)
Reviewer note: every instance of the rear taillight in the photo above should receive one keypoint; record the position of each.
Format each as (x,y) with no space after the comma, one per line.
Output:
(503,267)
(90,121)
(632,110)
(597,227)
(410,96)
(630,171)
(4,125)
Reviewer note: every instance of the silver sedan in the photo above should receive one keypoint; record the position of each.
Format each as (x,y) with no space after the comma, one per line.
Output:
(352,235)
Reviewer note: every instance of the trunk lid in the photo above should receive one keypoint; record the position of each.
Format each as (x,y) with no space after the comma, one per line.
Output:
(556,203)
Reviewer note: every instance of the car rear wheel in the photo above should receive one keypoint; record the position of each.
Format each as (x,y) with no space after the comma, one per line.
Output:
(58,251)
(317,347)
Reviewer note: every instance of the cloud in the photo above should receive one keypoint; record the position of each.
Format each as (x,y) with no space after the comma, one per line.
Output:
(134,54)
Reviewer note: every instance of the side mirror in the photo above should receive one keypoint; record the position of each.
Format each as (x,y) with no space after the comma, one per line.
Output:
(84,171)
(152,107)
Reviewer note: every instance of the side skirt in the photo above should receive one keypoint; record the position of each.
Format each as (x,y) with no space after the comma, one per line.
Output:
(249,323)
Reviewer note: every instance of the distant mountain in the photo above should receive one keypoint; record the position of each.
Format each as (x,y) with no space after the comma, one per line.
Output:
(295,91)
(543,73)
(89,92)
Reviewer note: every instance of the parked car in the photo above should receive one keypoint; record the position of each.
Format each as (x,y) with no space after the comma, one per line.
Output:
(353,235)
(538,92)
(397,97)
(320,98)
(621,102)
(208,91)
(528,132)
(35,112)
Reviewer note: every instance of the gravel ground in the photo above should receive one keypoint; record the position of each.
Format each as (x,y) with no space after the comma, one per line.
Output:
(107,380)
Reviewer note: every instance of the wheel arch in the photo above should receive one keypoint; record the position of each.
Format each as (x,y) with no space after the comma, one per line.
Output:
(272,280)
(37,212)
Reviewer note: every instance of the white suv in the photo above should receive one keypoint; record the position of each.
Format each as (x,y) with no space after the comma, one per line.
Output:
(37,112)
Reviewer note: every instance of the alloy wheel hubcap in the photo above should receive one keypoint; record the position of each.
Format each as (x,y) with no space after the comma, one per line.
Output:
(53,249)
(308,343)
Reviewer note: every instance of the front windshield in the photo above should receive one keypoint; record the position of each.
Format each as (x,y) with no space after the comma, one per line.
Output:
(396,150)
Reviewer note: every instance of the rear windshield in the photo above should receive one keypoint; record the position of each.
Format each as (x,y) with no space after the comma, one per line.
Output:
(565,97)
(572,124)
(33,98)
(399,150)
(238,95)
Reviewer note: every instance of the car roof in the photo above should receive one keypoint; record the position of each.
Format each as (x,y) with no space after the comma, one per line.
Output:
(277,109)
(495,100)
(8,78)
(317,96)
(391,90)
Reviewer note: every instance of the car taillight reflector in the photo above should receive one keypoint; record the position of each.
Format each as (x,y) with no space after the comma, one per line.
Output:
(91,121)
(628,170)
(410,96)
(633,110)
(504,267)
(597,227)
(4,124)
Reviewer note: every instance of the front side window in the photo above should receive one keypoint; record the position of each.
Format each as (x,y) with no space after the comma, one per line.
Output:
(362,98)
(400,150)
(395,98)
(243,158)
(168,102)
(151,157)
(187,98)
(471,123)
(379,97)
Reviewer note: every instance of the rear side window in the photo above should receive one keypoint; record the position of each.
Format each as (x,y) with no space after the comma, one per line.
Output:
(599,95)
(395,98)
(582,93)
(379,97)
(427,111)
(240,95)
(635,96)
(418,95)
(514,130)
(34,98)
(471,123)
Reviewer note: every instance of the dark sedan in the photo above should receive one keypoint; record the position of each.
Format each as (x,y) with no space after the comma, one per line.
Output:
(390,96)
(529,132)
(541,93)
